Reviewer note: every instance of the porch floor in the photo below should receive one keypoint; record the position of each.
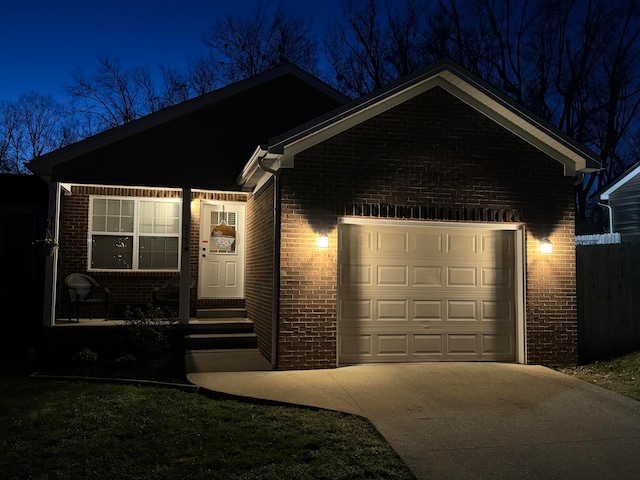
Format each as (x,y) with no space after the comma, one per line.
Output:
(101,322)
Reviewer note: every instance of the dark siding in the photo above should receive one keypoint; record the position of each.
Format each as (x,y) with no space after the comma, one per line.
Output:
(626,210)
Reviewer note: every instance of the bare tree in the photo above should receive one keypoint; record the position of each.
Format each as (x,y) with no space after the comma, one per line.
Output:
(244,46)
(10,137)
(31,126)
(357,48)
(112,95)
(204,73)
(175,87)
(574,63)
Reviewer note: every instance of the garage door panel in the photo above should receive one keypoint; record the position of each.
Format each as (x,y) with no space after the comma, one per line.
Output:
(498,344)
(463,343)
(356,346)
(497,311)
(392,276)
(496,277)
(357,309)
(355,242)
(497,246)
(462,243)
(462,310)
(428,344)
(428,310)
(427,244)
(427,276)
(394,243)
(462,277)
(356,275)
(390,345)
(426,293)
(392,310)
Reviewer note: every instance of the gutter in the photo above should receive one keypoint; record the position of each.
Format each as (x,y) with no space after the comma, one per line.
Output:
(610,215)
(276,261)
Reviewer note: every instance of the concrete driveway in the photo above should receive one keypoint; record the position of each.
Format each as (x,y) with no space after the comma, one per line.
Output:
(469,420)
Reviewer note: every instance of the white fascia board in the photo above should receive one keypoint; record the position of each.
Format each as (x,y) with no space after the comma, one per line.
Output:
(517,124)
(359,115)
(630,176)
(251,166)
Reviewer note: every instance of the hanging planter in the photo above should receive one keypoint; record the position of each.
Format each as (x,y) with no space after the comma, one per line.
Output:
(223,236)
(46,246)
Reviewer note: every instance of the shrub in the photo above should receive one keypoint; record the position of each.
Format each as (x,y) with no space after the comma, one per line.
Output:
(126,360)
(148,332)
(85,356)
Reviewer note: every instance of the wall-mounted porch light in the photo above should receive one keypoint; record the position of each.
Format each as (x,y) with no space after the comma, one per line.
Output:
(546,246)
(323,241)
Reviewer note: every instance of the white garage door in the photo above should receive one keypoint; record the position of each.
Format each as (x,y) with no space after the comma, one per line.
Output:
(411,292)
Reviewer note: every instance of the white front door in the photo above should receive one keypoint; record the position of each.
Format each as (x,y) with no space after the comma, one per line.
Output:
(221,266)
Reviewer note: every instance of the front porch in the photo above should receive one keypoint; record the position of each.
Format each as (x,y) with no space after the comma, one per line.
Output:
(213,340)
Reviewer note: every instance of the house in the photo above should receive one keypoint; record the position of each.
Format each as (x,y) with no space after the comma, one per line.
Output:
(622,198)
(404,226)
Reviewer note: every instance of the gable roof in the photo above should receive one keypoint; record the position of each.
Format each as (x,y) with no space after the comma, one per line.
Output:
(460,83)
(621,181)
(220,129)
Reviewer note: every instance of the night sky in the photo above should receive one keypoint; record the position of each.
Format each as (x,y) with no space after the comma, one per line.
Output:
(41,41)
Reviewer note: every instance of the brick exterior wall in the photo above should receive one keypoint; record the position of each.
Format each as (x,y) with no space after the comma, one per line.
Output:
(430,154)
(259,291)
(126,287)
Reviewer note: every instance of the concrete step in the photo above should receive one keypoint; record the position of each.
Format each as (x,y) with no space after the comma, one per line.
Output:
(220,325)
(222,313)
(211,341)
(237,360)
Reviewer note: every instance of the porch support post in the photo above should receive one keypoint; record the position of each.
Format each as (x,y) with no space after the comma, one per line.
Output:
(50,299)
(185,258)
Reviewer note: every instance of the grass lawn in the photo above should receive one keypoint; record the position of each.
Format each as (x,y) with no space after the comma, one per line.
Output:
(620,374)
(76,430)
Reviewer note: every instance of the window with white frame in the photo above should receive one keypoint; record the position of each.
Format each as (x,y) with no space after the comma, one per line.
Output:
(130,233)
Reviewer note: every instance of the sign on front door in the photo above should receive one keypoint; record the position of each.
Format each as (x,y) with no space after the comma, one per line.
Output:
(221,269)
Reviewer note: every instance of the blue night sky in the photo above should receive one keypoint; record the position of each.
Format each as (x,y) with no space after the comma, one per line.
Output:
(41,41)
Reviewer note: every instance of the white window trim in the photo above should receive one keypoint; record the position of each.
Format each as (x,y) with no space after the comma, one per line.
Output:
(136,233)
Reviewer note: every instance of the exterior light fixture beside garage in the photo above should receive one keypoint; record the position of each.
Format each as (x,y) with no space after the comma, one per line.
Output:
(546,246)
(323,241)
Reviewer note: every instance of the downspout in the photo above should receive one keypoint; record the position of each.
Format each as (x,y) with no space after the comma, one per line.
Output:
(610,215)
(276,262)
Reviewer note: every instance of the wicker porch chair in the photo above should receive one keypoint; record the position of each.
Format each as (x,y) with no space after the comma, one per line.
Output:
(84,290)
(168,295)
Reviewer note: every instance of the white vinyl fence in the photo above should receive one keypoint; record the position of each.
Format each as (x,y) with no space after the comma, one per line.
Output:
(599,239)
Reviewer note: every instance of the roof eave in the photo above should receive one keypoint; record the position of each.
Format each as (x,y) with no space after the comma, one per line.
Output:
(573,156)
(44,164)
(619,182)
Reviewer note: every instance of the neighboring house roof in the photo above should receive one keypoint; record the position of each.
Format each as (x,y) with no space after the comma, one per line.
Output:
(460,83)
(621,181)
(203,142)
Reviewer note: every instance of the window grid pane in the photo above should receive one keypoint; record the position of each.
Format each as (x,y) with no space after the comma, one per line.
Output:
(159,217)
(158,229)
(158,253)
(113,216)
(111,252)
